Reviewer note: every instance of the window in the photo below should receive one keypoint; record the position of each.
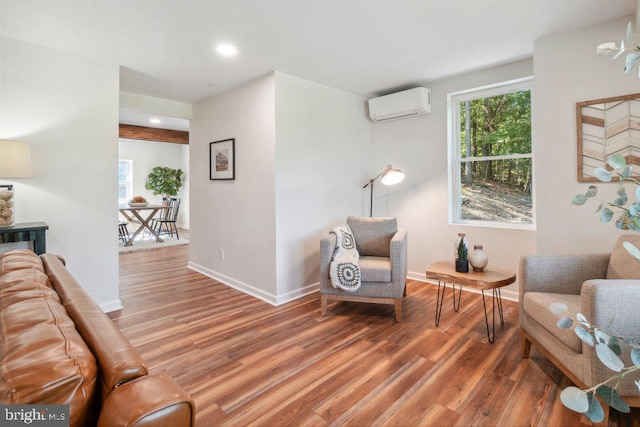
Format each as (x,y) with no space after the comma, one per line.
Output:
(125,181)
(490,160)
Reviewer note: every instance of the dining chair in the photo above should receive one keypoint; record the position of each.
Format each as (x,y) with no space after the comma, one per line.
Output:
(166,222)
(123,232)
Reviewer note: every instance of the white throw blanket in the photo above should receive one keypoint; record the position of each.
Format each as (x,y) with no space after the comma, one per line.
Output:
(345,269)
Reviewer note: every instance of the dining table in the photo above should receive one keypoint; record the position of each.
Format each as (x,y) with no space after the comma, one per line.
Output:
(144,214)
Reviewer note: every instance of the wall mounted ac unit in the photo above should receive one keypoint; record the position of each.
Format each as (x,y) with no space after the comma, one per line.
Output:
(408,103)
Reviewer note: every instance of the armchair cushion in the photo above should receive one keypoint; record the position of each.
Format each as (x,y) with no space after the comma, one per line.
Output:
(375,269)
(621,264)
(536,305)
(373,235)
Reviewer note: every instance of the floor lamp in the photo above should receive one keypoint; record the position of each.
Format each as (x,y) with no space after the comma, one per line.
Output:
(390,176)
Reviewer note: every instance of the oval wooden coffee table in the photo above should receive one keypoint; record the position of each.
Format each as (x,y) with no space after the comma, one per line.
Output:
(445,272)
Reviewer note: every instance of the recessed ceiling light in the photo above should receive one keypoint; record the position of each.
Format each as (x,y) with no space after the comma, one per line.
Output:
(226,49)
(155,121)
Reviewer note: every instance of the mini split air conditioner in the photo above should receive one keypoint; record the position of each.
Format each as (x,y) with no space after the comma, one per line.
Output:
(408,103)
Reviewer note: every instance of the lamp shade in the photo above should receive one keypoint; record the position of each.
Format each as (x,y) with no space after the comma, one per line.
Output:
(391,176)
(15,159)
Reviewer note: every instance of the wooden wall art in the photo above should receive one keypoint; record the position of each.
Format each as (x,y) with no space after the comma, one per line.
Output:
(605,127)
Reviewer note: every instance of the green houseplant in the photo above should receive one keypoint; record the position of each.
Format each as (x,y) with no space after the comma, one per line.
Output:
(165,180)
(462,261)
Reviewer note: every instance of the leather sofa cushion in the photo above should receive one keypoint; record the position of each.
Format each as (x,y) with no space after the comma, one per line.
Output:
(19,285)
(43,359)
(536,305)
(373,235)
(621,264)
(19,259)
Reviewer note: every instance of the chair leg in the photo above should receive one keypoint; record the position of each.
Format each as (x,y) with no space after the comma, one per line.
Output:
(323,305)
(398,306)
(525,346)
(175,227)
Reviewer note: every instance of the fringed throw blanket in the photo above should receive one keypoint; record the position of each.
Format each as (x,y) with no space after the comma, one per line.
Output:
(344,269)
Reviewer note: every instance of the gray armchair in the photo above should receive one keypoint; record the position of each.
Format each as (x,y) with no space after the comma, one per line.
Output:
(383,263)
(604,288)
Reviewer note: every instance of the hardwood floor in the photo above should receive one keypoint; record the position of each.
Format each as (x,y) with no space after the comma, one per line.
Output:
(246,362)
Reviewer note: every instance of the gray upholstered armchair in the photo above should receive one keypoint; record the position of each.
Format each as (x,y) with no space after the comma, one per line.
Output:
(604,288)
(383,263)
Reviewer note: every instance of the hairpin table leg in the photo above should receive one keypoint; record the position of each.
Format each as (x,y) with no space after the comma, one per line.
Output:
(456,307)
(440,300)
(491,335)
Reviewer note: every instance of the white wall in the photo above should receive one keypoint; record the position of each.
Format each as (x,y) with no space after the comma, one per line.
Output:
(184,205)
(148,154)
(418,146)
(322,152)
(66,107)
(568,71)
(238,216)
(152,105)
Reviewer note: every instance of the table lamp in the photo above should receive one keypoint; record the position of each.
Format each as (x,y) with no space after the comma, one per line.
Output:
(390,176)
(15,162)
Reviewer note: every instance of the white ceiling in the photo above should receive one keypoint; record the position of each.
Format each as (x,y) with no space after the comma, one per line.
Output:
(166,48)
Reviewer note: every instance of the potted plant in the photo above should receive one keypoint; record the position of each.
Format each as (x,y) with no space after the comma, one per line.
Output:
(164,180)
(462,261)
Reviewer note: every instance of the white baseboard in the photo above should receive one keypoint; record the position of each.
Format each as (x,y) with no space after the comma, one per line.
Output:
(298,293)
(235,284)
(110,306)
(504,293)
(275,300)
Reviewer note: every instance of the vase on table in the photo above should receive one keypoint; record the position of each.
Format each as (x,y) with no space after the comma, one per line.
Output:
(7,218)
(478,258)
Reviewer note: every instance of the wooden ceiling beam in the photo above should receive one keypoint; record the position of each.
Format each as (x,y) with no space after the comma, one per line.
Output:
(153,134)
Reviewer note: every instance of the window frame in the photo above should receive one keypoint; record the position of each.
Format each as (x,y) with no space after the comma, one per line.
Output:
(128,183)
(455,161)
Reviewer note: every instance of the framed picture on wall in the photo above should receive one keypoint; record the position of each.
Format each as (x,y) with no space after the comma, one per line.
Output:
(222,159)
(606,127)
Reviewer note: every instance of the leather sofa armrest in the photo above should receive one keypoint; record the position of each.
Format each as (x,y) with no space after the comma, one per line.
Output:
(151,400)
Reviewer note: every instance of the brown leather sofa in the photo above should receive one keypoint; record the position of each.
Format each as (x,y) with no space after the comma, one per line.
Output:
(59,348)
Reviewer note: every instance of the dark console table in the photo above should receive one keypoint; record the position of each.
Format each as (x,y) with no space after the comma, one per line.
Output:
(24,232)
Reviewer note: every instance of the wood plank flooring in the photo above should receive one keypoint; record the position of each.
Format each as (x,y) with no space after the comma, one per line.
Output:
(247,363)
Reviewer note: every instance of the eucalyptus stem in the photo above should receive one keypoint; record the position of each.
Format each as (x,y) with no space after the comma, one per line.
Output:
(626,370)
